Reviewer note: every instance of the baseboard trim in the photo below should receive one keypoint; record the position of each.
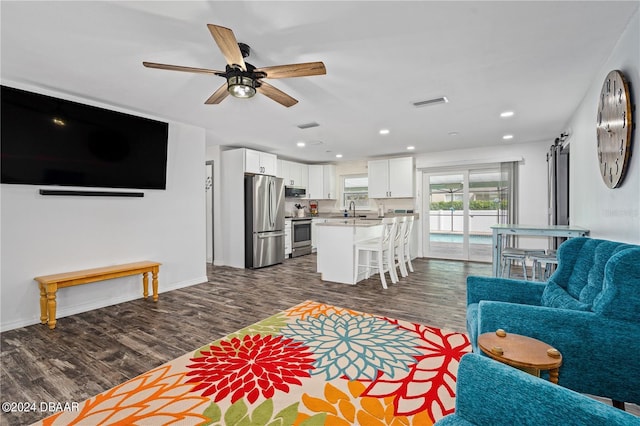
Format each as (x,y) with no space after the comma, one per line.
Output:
(78,309)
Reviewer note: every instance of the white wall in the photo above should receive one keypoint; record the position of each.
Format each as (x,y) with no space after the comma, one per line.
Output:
(43,235)
(609,213)
(532,172)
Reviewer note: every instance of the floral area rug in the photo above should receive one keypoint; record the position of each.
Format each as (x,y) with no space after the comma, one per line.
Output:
(313,364)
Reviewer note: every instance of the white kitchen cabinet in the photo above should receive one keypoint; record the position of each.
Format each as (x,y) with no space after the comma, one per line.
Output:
(261,163)
(282,169)
(300,174)
(314,222)
(294,174)
(287,238)
(322,182)
(392,178)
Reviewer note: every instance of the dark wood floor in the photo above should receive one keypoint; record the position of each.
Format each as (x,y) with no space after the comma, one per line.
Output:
(91,352)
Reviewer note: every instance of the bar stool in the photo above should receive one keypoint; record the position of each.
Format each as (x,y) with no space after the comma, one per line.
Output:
(550,261)
(398,247)
(406,244)
(383,248)
(511,254)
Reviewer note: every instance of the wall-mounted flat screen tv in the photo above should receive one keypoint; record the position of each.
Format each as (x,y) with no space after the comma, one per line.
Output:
(51,141)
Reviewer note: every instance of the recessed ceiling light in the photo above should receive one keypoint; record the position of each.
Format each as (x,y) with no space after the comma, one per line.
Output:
(338,155)
(453,133)
(507,137)
(411,148)
(384,131)
(300,144)
(506,114)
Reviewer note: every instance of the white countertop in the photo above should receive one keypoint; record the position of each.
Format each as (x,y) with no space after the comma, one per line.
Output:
(360,223)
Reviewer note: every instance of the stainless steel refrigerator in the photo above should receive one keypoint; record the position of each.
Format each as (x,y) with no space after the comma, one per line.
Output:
(264,221)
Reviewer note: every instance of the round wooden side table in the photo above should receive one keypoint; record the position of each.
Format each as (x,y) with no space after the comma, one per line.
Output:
(522,352)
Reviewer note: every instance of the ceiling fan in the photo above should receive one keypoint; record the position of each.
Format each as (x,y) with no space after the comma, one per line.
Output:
(243,79)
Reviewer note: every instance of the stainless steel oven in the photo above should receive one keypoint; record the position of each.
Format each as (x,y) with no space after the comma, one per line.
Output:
(300,236)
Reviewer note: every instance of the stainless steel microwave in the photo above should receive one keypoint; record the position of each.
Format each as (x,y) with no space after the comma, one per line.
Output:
(295,191)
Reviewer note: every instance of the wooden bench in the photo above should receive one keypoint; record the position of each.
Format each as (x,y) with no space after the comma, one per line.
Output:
(50,284)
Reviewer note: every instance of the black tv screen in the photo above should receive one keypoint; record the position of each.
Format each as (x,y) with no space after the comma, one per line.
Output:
(51,141)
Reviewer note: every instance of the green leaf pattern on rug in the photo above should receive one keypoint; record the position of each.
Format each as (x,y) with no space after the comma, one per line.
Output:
(268,326)
(285,417)
(214,413)
(271,325)
(317,420)
(238,415)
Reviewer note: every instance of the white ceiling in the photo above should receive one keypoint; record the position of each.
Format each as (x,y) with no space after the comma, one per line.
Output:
(536,58)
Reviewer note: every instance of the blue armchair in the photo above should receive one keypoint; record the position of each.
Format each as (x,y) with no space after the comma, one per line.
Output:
(589,310)
(490,393)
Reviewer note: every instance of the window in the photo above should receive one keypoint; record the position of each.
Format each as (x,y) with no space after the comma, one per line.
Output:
(355,188)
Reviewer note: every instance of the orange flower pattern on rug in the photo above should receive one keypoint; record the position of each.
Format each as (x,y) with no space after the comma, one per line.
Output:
(315,309)
(351,408)
(312,364)
(156,397)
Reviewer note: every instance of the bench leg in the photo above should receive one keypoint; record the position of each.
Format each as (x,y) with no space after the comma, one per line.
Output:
(43,304)
(51,304)
(154,283)
(145,284)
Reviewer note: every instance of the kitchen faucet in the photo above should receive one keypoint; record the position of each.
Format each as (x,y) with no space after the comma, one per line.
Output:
(353,203)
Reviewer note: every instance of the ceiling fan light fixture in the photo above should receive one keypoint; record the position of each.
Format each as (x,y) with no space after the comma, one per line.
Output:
(240,86)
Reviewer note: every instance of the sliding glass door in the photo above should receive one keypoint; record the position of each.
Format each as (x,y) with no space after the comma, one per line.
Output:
(462,206)
(447,229)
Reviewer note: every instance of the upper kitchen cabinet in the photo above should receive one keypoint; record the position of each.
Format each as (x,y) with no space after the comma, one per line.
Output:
(392,178)
(300,174)
(261,163)
(322,182)
(294,174)
(283,169)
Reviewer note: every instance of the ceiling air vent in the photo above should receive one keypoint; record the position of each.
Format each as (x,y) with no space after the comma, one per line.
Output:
(308,125)
(442,100)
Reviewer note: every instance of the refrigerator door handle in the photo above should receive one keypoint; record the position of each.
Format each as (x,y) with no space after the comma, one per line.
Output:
(271,235)
(272,203)
(269,205)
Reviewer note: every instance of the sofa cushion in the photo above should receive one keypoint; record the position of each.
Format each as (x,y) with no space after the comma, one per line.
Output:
(603,252)
(555,296)
(579,275)
(620,295)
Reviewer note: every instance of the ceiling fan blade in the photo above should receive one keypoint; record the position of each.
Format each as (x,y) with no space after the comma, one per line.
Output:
(276,94)
(294,70)
(228,45)
(181,68)
(218,96)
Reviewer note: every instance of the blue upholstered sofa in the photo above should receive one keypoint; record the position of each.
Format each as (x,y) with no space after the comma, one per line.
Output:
(589,310)
(491,393)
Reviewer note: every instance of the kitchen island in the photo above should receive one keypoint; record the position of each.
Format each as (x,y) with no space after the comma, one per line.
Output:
(335,241)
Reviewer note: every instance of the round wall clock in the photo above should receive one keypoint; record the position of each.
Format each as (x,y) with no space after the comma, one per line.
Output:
(614,129)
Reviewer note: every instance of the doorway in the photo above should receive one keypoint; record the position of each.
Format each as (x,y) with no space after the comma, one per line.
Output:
(462,205)
(208,188)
